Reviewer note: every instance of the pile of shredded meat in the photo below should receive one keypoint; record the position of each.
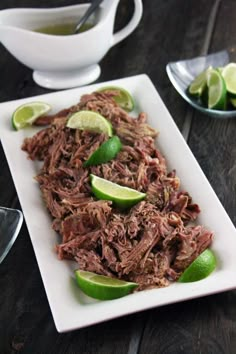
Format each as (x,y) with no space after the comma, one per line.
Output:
(153,242)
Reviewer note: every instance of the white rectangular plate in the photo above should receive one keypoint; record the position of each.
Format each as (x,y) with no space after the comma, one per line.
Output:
(70,308)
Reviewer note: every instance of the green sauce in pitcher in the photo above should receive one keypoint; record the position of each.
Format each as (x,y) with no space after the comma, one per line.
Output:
(63,29)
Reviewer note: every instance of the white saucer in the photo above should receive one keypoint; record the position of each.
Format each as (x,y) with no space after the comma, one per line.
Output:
(67,79)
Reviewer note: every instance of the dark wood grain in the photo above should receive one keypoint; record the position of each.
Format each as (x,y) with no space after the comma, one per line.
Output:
(199,326)
(169,30)
(202,326)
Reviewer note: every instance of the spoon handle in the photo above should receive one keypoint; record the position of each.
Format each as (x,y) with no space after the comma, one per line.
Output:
(89,11)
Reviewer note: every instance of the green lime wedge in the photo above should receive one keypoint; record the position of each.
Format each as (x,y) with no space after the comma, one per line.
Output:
(106,152)
(26,114)
(123,197)
(229,75)
(200,268)
(198,85)
(123,98)
(220,69)
(102,287)
(233,102)
(217,94)
(91,121)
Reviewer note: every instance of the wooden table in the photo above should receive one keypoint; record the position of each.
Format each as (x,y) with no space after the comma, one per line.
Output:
(169,30)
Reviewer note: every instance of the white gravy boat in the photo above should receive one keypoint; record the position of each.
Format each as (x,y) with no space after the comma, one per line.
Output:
(63,61)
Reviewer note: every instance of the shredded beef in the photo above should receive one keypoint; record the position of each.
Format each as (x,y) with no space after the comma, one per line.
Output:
(153,242)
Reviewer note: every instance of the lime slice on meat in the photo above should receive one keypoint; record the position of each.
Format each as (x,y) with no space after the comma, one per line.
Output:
(229,75)
(106,152)
(200,268)
(27,113)
(217,94)
(123,97)
(198,85)
(91,121)
(102,287)
(123,197)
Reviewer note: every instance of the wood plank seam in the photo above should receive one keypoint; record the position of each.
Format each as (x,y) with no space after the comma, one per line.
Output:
(136,337)
(186,129)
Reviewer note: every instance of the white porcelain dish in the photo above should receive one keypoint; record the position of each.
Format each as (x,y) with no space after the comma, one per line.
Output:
(70,308)
(61,62)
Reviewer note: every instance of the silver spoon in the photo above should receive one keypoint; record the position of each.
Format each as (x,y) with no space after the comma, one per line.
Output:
(181,74)
(10,224)
(87,14)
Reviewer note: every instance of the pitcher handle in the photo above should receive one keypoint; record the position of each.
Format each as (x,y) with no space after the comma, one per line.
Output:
(130,27)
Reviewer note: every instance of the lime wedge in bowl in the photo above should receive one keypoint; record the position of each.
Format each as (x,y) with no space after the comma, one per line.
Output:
(123,197)
(27,113)
(217,94)
(91,121)
(233,102)
(198,85)
(200,268)
(229,75)
(102,287)
(106,152)
(123,97)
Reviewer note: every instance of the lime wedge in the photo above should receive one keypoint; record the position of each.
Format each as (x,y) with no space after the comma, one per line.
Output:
(102,287)
(233,102)
(229,75)
(106,152)
(198,85)
(220,69)
(217,94)
(123,197)
(200,268)
(123,98)
(26,114)
(91,121)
